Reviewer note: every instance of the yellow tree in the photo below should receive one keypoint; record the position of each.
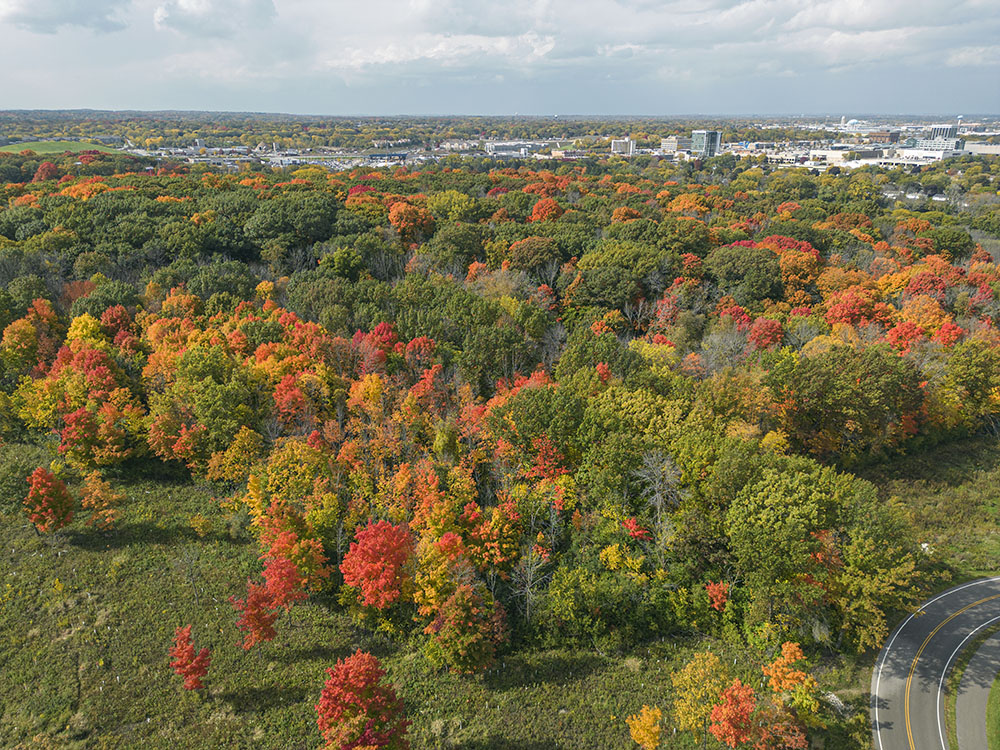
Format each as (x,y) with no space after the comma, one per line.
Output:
(644,727)
(697,688)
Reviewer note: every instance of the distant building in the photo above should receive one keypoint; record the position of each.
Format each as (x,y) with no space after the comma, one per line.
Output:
(513,148)
(944,131)
(706,143)
(983,148)
(936,144)
(884,136)
(623,146)
(837,155)
(675,143)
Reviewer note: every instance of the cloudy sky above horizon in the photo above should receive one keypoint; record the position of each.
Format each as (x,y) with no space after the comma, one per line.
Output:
(655,57)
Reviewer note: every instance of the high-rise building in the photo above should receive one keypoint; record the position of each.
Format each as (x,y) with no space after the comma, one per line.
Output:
(624,146)
(706,143)
(675,143)
(944,131)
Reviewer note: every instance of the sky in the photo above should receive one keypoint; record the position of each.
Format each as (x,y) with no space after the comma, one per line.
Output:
(544,57)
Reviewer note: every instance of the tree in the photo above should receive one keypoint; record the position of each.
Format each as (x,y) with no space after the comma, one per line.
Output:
(101,501)
(283,581)
(644,727)
(749,274)
(258,614)
(545,210)
(697,688)
(732,719)
(185,662)
(357,709)
(375,563)
(465,631)
(48,504)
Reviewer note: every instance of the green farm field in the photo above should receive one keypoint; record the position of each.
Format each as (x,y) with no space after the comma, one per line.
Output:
(55,147)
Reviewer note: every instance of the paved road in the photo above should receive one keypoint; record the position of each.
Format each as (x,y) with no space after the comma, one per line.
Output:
(908,680)
(973,691)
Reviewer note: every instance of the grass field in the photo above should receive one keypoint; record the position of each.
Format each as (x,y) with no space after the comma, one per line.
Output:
(56,147)
(952,493)
(993,716)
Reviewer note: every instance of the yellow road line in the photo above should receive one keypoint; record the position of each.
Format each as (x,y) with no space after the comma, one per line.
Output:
(913,666)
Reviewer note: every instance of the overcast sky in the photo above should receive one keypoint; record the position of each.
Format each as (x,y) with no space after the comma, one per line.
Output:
(656,57)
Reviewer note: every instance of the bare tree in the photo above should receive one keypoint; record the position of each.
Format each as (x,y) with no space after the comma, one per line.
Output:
(527,578)
(660,479)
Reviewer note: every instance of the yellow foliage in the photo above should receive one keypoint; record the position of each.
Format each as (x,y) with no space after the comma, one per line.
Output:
(697,688)
(86,328)
(644,727)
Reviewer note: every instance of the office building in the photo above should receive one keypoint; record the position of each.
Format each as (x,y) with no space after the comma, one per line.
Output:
(675,143)
(706,143)
(623,146)
(944,131)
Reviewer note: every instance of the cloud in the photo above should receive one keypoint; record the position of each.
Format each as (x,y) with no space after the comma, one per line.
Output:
(975,57)
(48,16)
(546,55)
(212,18)
(446,50)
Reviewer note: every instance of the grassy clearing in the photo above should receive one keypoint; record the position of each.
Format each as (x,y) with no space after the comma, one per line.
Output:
(953,492)
(56,147)
(993,716)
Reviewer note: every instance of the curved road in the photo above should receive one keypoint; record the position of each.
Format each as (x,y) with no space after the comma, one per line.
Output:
(908,682)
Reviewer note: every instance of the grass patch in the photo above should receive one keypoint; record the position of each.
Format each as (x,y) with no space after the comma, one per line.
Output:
(951,492)
(56,147)
(993,716)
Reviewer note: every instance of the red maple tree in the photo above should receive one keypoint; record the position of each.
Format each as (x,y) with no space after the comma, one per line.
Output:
(192,667)
(356,709)
(49,504)
(375,563)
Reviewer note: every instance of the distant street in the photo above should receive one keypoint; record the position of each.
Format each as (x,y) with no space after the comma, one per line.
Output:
(908,682)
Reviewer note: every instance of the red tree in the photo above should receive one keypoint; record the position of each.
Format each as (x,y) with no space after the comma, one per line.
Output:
(46,171)
(258,614)
(283,582)
(766,333)
(718,595)
(356,710)
(185,662)
(375,563)
(732,719)
(49,504)
(546,210)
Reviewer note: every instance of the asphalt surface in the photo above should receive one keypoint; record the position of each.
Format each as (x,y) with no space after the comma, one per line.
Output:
(908,682)
(973,692)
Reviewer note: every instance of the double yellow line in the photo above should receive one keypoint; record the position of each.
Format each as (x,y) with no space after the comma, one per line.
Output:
(913,666)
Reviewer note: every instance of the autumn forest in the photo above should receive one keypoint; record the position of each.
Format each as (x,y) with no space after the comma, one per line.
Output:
(400,457)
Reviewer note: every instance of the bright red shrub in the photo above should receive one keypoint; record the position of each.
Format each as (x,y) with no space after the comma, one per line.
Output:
(49,504)
(732,719)
(357,710)
(258,615)
(185,662)
(375,563)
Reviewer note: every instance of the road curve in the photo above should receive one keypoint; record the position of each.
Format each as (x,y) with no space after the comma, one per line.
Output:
(908,681)
(973,693)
